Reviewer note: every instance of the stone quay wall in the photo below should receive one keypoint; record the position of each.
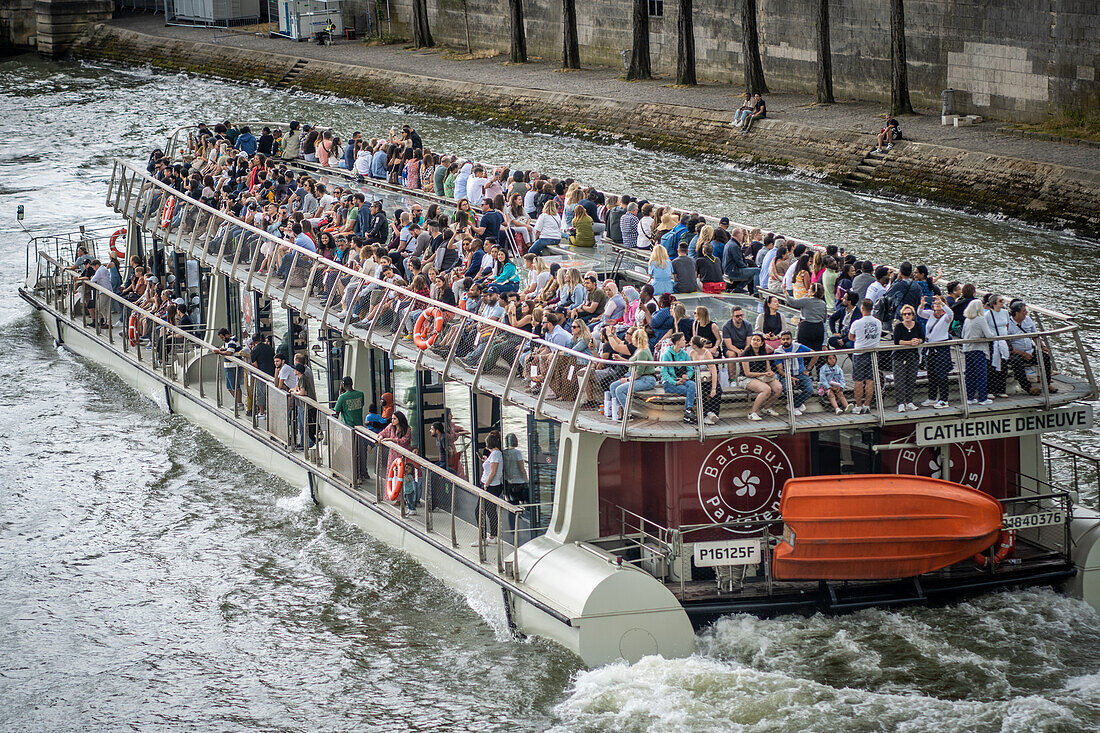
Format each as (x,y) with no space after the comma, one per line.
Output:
(1041,193)
(1009,59)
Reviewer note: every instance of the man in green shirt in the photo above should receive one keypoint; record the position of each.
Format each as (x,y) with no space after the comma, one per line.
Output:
(349,405)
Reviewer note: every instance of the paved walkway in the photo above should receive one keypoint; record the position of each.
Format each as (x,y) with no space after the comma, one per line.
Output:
(604,82)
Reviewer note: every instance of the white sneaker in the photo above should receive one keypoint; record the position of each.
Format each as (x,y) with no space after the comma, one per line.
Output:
(848,407)
(771,412)
(928,403)
(710,419)
(797,411)
(911,407)
(901,408)
(971,402)
(941,405)
(877,150)
(890,146)
(986,401)
(753,416)
(839,411)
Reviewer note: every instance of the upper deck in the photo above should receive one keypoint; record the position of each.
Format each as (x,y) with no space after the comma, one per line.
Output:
(526,371)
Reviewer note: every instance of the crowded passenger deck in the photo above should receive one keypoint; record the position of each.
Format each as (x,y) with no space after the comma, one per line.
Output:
(564,334)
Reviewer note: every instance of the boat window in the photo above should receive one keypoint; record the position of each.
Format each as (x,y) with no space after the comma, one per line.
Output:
(844,451)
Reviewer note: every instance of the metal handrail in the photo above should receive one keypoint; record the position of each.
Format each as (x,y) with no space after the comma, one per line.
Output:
(314,260)
(526,335)
(256,373)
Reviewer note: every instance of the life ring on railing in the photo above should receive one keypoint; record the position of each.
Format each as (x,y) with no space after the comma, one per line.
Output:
(462,302)
(115,250)
(395,480)
(1006,544)
(169,209)
(428,327)
(132,330)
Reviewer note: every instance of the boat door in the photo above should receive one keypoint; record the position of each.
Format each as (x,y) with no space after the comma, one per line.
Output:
(381,376)
(485,416)
(333,343)
(429,409)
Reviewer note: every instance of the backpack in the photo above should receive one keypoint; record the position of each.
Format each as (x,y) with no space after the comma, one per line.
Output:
(887,307)
(668,243)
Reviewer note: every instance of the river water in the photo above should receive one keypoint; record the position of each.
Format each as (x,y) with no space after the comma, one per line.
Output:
(153,580)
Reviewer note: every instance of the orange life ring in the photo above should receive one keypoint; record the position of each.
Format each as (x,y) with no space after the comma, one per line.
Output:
(169,209)
(395,480)
(425,334)
(115,250)
(132,331)
(462,302)
(1006,544)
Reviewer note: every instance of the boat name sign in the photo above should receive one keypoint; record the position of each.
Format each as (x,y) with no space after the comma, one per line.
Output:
(727,552)
(1074,417)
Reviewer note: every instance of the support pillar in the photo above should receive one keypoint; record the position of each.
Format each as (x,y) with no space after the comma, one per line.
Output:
(59,22)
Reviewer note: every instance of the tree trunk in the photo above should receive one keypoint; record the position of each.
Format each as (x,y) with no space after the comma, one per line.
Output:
(685,45)
(519,35)
(824,55)
(466,17)
(639,57)
(750,49)
(422,34)
(570,52)
(899,76)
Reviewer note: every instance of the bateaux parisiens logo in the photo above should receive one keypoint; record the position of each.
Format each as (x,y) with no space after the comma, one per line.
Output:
(741,479)
(963,463)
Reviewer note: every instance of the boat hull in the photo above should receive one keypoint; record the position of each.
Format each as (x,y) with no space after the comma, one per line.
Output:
(880,527)
(621,613)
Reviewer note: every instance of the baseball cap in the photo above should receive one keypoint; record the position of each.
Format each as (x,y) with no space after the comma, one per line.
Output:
(724,220)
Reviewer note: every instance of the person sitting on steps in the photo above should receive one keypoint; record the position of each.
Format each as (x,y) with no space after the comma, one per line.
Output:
(759,111)
(888,134)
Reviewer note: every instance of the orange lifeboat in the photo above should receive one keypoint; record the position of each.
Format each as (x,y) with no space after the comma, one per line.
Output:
(878,527)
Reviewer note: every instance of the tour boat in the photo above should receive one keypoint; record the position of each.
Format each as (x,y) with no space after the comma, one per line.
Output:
(628,534)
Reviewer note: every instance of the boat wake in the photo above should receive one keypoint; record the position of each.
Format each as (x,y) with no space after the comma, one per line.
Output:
(1026,660)
(301,502)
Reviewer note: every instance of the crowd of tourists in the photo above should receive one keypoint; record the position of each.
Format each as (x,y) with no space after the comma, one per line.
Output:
(485,254)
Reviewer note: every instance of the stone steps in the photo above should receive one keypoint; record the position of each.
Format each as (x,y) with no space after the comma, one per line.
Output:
(292,73)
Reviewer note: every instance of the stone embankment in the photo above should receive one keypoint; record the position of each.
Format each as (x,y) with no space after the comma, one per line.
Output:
(1037,192)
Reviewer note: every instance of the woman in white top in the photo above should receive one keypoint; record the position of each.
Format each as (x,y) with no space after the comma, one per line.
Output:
(645,228)
(538,274)
(977,355)
(492,480)
(937,330)
(997,318)
(547,228)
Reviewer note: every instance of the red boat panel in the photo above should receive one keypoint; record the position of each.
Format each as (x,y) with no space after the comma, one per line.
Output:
(872,527)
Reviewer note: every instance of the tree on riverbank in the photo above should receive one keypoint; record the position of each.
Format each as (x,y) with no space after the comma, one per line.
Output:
(824,55)
(639,56)
(518,42)
(750,49)
(899,76)
(685,45)
(570,51)
(422,34)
